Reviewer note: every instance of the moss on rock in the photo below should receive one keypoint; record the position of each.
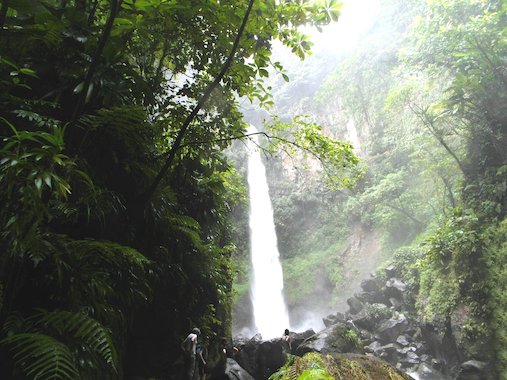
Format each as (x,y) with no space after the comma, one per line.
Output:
(315,366)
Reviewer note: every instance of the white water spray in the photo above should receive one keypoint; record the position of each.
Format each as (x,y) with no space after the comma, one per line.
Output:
(270,312)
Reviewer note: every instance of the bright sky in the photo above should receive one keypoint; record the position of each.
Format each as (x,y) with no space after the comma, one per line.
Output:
(357,16)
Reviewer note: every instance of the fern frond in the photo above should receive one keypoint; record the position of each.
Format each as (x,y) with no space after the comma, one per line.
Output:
(42,357)
(188,226)
(84,329)
(125,122)
(109,252)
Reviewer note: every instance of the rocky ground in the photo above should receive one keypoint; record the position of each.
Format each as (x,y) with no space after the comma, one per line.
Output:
(376,325)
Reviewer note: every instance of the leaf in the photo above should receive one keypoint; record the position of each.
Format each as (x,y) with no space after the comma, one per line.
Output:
(38,183)
(47,179)
(78,88)
(42,357)
(85,330)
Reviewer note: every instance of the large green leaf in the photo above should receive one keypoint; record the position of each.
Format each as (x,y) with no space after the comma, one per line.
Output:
(43,357)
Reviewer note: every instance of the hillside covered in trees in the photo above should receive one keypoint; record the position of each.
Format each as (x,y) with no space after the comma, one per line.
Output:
(123,219)
(423,93)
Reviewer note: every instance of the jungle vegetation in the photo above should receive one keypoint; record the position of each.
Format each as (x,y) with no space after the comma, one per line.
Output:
(426,91)
(116,194)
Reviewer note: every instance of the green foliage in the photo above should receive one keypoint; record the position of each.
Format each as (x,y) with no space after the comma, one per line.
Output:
(93,102)
(353,338)
(305,274)
(309,146)
(314,365)
(379,313)
(310,366)
(445,280)
(62,345)
(315,373)
(43,356)
(495,260)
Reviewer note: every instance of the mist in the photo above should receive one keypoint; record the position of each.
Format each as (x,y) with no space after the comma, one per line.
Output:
(357,253)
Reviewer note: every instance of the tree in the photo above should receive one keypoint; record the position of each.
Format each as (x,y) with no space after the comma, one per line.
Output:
(95,97)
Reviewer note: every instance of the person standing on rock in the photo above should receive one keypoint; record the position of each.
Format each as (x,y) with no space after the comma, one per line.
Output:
(188,346)
(286,342)
(202,357)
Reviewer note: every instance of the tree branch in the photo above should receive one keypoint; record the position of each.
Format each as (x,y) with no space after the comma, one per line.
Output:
(115,8)
(181,133)
(404,212)
(428,122)
(494,67)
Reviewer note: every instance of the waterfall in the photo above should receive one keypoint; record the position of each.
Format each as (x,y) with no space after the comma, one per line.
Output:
(270,312)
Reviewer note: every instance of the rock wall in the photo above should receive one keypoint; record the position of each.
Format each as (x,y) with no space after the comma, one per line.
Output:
(382,314)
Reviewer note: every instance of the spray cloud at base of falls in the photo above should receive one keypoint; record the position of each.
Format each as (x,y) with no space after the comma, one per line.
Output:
(270,312)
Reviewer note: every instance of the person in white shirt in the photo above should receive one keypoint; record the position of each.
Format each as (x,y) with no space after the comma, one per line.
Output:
(188,346)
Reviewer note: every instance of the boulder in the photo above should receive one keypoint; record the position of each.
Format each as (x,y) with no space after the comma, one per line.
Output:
(441,344)
(344,366)
(395,303)
(425,372)
(234,371)
(337,338)
(331,319)
(298,338)
(371,316)
(392,328)
(410,359)
(373,348)
(355,305)
(395,288)
(366,336)
(261,358)
(403,340)
(371,285)
(363,320)
(389,352)
(472,370)
(390,270)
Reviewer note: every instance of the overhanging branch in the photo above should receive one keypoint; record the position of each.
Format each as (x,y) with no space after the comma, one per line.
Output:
(179,138)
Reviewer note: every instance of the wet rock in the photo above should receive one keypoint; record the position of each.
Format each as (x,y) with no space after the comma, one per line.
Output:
(472,370)
(363,320)
(234,371)
(337,338)
(395,288)
(332,319)
(440,343)
(373,348)
(298,338)
(355,305)
(371,285)
(411,358)
(425,372)
(260,358)
(391,270)
(395,303)
(403,340)
(405,350)
(366,336)
(392,328)
(389,352)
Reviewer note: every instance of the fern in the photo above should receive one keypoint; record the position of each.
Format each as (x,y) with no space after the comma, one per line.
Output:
(188,226)
(84,329)
(42,357)
(60,344)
